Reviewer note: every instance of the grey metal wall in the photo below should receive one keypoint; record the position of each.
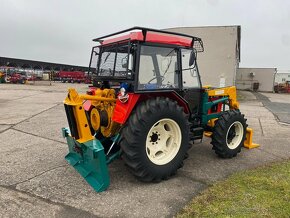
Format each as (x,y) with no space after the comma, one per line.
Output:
(220,60)
(264,76)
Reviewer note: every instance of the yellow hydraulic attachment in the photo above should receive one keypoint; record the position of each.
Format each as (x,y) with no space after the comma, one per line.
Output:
(103,102)
(226,91)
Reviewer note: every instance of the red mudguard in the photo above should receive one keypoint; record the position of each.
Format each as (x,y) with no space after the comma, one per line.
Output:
(123,110)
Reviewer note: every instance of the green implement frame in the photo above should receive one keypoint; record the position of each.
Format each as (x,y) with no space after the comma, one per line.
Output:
(206,105)
(90,160)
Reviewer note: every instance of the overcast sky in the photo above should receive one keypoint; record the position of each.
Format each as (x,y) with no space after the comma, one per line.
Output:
(61,30)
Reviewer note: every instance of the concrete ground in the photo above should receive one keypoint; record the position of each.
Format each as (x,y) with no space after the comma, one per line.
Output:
(278,104)
(36,181)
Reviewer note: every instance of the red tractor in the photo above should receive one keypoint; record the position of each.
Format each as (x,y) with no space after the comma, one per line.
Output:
(148,106)
(18,78)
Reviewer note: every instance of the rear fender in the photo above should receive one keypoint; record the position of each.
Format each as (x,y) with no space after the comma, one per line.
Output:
(122,111)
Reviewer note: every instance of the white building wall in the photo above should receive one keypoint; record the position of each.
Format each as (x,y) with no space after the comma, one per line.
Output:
(220,59)
(282,76)
(246,77)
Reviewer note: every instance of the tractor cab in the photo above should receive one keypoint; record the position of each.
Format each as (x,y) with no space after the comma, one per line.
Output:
(147,60)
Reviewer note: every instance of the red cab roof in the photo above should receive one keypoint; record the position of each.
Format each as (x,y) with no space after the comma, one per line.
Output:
(151,37)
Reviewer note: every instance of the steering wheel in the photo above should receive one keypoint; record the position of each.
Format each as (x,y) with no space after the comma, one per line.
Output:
(162,78)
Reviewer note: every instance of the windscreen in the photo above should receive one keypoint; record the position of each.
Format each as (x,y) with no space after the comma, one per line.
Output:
(111,61)
(157,68)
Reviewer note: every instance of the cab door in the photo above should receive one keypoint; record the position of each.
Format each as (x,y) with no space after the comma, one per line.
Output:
(191,84)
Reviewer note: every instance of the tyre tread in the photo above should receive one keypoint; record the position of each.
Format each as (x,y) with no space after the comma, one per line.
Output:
(129,138)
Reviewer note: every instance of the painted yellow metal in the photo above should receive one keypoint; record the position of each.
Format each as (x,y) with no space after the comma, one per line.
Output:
(207,133)
(95,119)
(73,99)
(96,98)
(112,128)
(210,123)
(105,100)
(249,140)
(230,91)
(102,100)
(206,86)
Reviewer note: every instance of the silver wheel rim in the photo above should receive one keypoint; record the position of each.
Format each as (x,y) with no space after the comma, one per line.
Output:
(163,141)
(235,135)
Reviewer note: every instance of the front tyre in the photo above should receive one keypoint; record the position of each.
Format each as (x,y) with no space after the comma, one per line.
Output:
(229,134)
(155,139)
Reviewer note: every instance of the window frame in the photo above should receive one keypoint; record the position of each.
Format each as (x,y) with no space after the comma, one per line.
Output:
(137,90)
(112,78)
(197,71)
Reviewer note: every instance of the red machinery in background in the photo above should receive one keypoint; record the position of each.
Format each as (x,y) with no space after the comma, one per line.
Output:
(282,87)
(73,77)
(18,78)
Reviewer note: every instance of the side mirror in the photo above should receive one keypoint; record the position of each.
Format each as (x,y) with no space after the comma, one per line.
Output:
(192,58)
(125,62)
(130,62)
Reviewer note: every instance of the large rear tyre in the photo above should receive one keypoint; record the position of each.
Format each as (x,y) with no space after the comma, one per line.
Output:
(229,134)
(155,140)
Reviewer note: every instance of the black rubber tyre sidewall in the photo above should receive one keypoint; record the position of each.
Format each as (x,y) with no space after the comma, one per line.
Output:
(140,122)
(220,129)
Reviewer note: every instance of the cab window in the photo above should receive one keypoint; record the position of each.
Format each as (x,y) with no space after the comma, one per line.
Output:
(189,73)
(157,68)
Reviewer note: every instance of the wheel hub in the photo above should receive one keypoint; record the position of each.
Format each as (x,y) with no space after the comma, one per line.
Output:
(155,137)
(163,141)
(231,135)
(235,135)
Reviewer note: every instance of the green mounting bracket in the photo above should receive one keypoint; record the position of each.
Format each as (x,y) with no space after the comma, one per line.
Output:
(89,160)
